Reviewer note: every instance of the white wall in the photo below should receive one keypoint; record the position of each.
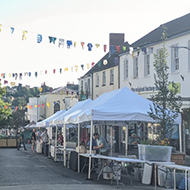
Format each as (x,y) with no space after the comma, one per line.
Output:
(97,91)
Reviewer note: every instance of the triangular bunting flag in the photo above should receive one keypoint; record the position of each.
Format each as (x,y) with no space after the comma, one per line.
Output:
(124,48)
(88,66)
(97,45)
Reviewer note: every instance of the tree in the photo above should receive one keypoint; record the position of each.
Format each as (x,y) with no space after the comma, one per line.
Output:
(5,110)
(166,102)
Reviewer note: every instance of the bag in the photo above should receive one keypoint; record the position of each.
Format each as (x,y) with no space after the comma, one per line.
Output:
(182,184)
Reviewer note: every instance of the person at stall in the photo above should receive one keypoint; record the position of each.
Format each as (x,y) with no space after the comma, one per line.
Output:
(94,144)
(60,139)
(45,139)
(73,138)
(102,145)
(33,139)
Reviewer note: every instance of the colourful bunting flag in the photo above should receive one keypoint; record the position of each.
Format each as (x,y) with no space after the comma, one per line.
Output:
(75,44)
(66,69)
(52,39)
(39,38)
(124,48)
(99,63)
(69,43)
(82,66)
(48,105)
(118,48)
(12,83)
(88,66)
(61,42)
(0,27)
(36,74)
(12,30)
(82,44)
(93,64)
(89,46)
(54,71)
(105,47)
(24,34)
(97,45)
(76,68)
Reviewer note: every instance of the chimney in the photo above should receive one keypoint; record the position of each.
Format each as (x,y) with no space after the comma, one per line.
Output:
(116,39)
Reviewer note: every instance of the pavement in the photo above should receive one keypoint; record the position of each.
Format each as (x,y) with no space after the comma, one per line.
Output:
(27,170)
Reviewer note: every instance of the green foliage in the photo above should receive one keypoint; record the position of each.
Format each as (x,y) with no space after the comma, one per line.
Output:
(166,102)
(5,110)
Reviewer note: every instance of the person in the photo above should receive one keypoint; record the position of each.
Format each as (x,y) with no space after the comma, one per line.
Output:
(73,138)
(94,144)
(45,139)
(33,139)
(60,139)
(102,145)
(21,140)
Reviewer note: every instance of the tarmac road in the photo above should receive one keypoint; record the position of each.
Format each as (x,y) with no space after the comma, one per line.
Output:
(26,170)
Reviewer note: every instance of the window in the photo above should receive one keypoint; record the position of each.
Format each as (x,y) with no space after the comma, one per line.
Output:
(56,107)
(174,58)
(126,69)
(111,76)
(135,67)
(97,80)
(146,64)
(104,78)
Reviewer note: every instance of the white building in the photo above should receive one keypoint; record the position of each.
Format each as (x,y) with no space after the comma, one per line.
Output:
(46,104)
(137,70)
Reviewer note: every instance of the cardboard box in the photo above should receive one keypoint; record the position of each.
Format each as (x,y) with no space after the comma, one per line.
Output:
(178,158)
(80,149)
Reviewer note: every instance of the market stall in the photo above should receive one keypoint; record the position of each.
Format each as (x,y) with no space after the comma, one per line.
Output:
(119,107)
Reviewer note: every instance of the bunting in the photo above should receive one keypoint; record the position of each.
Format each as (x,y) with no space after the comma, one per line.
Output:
(24,34)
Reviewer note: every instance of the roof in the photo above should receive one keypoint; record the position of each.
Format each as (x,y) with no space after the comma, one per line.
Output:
(99,66)
(179,26)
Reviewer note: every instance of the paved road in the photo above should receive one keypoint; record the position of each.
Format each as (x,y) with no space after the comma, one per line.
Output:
(25,170)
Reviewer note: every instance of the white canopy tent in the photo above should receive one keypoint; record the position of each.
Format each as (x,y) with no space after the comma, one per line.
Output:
(46,122)
(118,107)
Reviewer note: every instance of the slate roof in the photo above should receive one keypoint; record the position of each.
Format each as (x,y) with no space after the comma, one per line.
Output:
(174,28)
(99,66)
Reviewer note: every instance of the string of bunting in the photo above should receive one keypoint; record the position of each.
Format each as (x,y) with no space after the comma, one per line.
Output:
(60,41)
(34,106)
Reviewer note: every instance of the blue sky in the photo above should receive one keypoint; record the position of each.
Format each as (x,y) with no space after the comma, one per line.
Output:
(90,21)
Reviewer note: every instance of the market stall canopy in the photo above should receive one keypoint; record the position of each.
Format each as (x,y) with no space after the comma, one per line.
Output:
(118,105)
(30,125)
(59,119)
(46,122)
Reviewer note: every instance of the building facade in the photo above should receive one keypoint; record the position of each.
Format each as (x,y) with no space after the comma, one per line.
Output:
(137,68)
(46,104)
